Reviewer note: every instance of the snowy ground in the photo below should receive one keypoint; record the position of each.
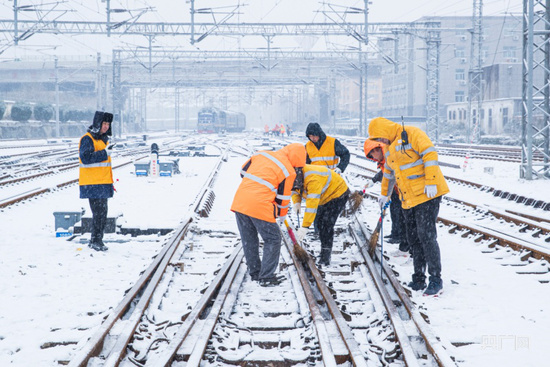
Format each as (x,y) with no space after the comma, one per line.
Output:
(58,291)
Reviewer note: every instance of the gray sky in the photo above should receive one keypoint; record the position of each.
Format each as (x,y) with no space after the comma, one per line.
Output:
(253,11)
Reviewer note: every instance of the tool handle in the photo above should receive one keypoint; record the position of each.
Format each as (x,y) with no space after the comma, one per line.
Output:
(290,233)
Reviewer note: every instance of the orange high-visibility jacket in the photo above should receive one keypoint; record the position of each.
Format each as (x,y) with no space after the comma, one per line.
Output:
(264,192)
(321,185)
(325,156)
(412,166)
(96,173)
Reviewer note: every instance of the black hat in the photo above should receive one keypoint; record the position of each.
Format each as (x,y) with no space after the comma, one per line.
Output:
(99,117)
(107,117)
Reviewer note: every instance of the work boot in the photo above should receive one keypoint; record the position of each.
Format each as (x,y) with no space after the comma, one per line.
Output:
(324,256)
(435,287)
(271,281)
(418,282)
(98,246)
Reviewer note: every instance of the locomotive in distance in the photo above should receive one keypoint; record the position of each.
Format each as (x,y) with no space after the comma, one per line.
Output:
(214,120)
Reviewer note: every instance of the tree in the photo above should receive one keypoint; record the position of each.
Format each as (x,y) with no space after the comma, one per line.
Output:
(43,112)
(21,111)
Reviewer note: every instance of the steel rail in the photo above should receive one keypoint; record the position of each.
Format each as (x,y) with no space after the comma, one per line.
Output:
(433,344)
(169,353)
(95,343)
(346,333)
(320,328)
(231,284)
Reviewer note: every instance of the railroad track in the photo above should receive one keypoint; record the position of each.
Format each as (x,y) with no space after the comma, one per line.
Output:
(201,305)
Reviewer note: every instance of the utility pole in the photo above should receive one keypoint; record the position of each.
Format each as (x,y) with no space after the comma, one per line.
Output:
(108,18)
(57,134)
(99,104)
(15,23)
(364,72)
(475,74)
(192,22)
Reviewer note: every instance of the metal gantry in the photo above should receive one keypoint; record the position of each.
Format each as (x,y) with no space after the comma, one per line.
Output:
(536,89)
(433,41)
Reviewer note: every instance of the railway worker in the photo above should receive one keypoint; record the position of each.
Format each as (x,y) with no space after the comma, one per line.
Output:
(326,194)
(412,162)
(282,130)
(325,150)
(261,200)
(374,151)
(266,129)
(96,174)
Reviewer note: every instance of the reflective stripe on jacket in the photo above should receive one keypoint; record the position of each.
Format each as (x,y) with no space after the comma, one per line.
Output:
(264,192)
(325,156)
(98,173)
(321,185)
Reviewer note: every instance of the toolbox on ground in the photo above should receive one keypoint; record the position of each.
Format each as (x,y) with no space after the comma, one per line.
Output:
(65,221)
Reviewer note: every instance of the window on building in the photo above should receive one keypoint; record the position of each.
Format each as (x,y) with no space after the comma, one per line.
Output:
(490,119)
(509,52)
(454,115)
(459,96)
(505,116)
(460,52)
(460,74)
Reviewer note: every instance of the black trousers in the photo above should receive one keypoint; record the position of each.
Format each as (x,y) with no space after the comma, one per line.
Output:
(99,218)
(398,222)
(325,220)
(420,224)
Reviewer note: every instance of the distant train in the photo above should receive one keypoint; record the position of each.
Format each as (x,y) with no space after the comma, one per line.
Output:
(214,120)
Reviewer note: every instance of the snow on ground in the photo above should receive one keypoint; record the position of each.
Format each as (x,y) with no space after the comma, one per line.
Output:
(56,290)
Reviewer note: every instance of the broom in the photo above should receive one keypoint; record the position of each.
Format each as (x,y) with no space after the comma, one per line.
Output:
(374,236)
(300,253)
(355,200)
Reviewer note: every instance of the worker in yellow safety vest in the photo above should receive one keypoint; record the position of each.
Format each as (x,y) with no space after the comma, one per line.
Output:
(323,150)
(96,174)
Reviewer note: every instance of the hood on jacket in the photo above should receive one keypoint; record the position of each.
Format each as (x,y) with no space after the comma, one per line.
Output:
(99,117)
(315,129)
(381,127)
(296,154)
(370,145)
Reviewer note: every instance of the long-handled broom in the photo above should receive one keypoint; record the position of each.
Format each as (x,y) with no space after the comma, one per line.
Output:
(300,253)
(374,236)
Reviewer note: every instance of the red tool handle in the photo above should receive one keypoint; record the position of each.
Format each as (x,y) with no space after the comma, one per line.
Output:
(290,233)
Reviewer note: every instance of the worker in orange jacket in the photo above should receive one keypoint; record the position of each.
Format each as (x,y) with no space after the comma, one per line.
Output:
(261,200)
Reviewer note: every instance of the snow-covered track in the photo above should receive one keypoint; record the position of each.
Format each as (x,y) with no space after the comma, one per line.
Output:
(416,339)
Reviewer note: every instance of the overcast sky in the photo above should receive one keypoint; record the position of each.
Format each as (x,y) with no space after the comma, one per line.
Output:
(249,11)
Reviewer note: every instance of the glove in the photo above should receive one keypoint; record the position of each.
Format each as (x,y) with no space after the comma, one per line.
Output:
(430,191)
(369,184)
(297,207)
(281,220)
(382,200)
(337,170)
(301,233)
(108,151)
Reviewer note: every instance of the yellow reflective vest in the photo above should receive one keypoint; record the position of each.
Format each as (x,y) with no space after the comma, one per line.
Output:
(321,185)
(96,173)
(325,156)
